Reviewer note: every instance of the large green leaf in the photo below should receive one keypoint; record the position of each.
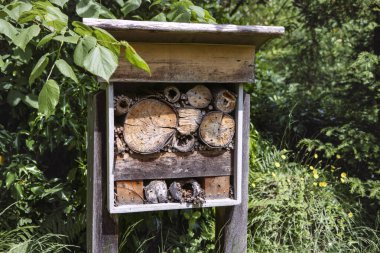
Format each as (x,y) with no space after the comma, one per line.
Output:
(130,6)
(26,35)
(101,62)
(107,40)
(7,29)
(159,17)
(132,56)
(55,18)
(48,98)
(92,9)
(66,69)
(83,48)
(16,9)
(68,39)
(46,39)
(39,68)
(31,100)
(60,3)
(82,29)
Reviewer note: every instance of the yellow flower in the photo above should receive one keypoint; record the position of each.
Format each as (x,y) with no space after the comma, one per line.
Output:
(1,160)
(277,164)
(283,157)
(273,174)
(315,174)
(253,185)
(311,167)
(322,184)
(343,175)
(343,180)
(316,156)
(284,150)
(338,156)
(350,215)
(315,184)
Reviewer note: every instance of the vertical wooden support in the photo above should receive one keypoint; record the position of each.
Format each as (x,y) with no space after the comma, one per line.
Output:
(102,228)
(231,222)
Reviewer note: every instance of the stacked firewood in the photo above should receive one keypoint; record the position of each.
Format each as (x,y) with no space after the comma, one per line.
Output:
(174,121)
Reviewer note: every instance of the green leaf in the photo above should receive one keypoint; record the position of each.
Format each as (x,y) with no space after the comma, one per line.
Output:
(87,9)
(130,6)
(183,17)
(107,40)
(25,36)
(14,97)
(39,68)
(66,69)
(82,29)
(48,98)
(46,39)
(60,3)
(19,190)
(83,48)
(37,190)
(135,59)
(2,63)
(9,179)
(55,18)
(159,17)
(68,39)
(17,9)
(8,30)
(31,100)
(101,62)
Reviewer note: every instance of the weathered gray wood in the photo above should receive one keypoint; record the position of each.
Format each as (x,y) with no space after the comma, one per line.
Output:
(173,165)
(231,222)
(189,63)
(102,228)
(163,32)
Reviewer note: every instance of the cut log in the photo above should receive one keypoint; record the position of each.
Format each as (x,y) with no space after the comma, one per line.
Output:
(189,191)
(149,125)
(217,129)
(188,120)
(224,100)
(199,97)
(172,94)
(184,143)
(129,192)
(122,104)
(156,192)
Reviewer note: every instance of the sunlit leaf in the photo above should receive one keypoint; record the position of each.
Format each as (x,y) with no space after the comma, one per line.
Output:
(132,56)
(26,35)
(39,68)
(66,69)
(83,48)
(101,62)
(48,98)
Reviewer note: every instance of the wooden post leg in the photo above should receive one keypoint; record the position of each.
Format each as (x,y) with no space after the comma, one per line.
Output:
(102,228)
(231,222)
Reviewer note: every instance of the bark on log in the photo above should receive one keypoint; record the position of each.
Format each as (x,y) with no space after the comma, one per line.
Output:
(156,192)
(224,100)
(188,120)
(172,94)
(199,96)
(149,125)
(122,104)
(217,129)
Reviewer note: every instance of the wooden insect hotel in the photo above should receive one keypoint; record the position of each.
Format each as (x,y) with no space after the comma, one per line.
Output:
(175,138)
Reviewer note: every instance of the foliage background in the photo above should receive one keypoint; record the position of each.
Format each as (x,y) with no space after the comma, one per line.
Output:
(315,162)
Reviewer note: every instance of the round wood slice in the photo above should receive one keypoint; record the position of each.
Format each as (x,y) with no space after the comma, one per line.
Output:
(148,126)
(199,96)
(224,100)
(189,120)
(217,129)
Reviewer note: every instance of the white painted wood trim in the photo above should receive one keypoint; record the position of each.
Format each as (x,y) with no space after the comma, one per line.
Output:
(238,158)
(117,24)
(110,148)
(172,206)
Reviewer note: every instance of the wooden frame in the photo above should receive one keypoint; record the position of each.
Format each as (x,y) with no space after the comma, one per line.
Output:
(130,208)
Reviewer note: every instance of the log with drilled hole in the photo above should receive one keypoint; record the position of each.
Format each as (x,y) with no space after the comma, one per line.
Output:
(224,100)
(217,129)
(172,94)
(149,125)
(199,96)
(122,104)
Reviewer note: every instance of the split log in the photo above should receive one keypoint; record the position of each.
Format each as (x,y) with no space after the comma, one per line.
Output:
(121,105)
(172,94)
(184,143)
(217,129)
(149,125)
(199,96)
(188,120)
(156,192)
(224,100)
